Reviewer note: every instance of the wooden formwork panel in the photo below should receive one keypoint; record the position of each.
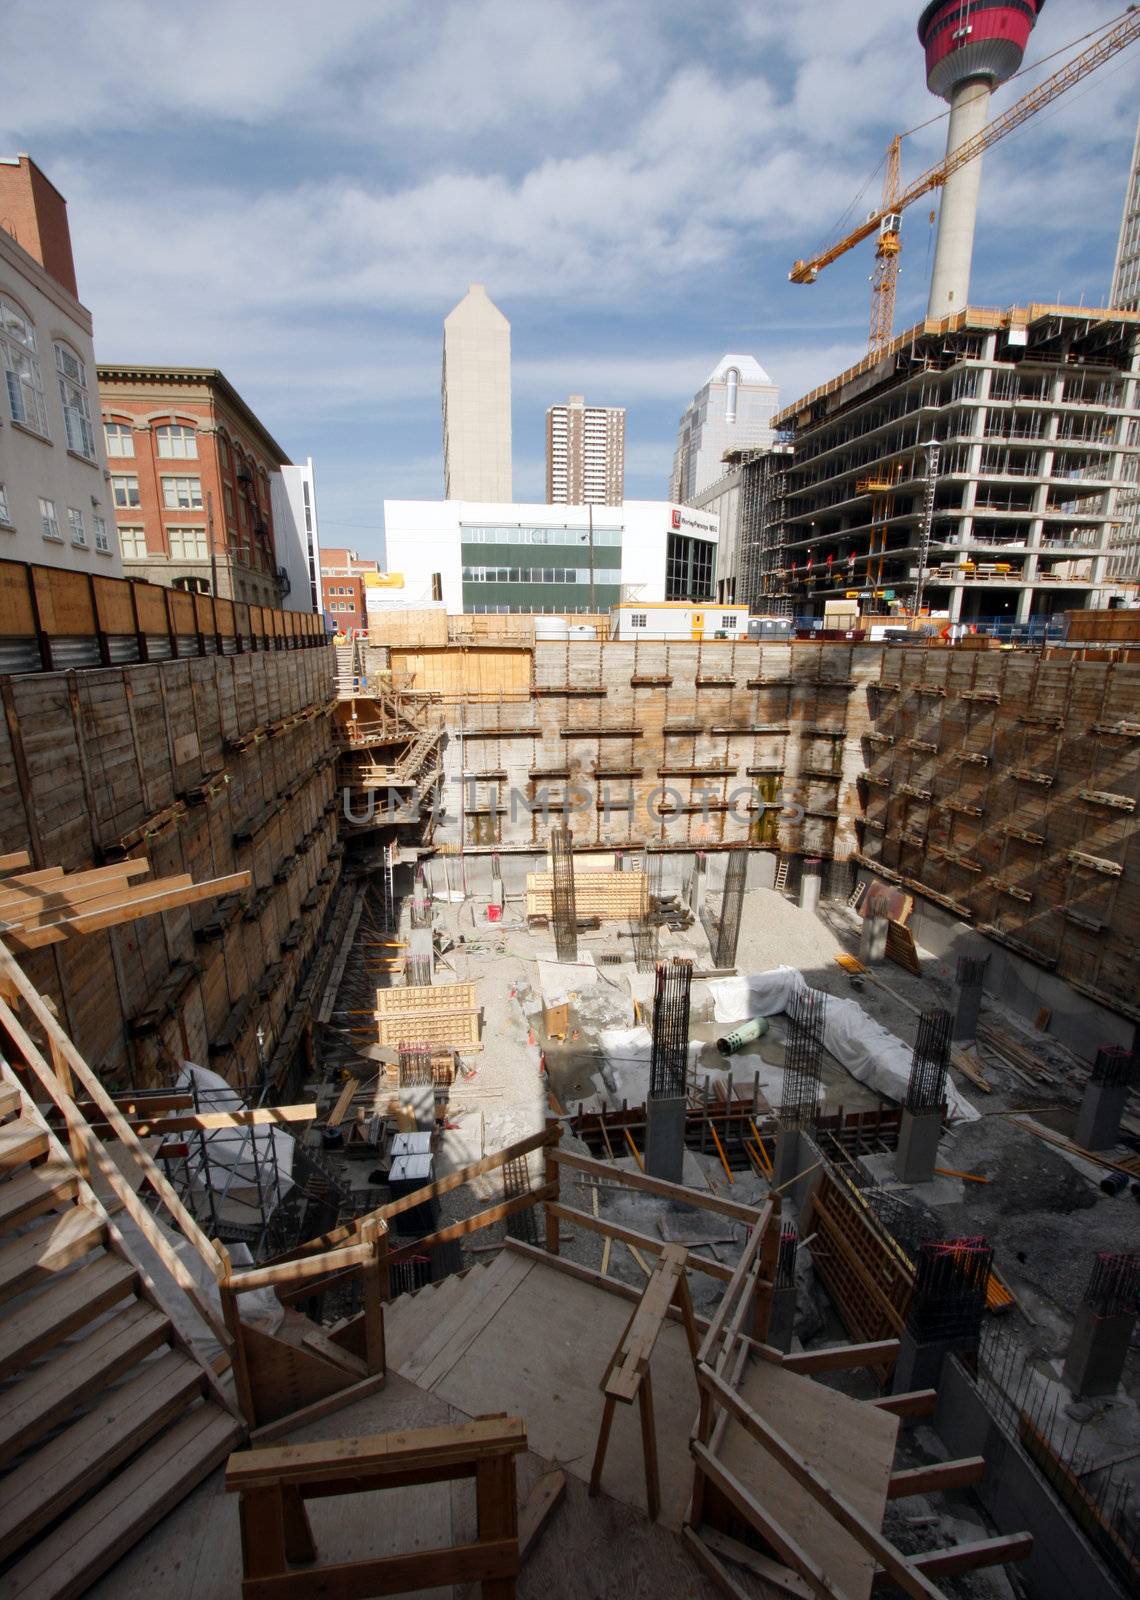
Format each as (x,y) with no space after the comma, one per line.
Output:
(869,1282)
(414,998)
(610,896)
(433,1014)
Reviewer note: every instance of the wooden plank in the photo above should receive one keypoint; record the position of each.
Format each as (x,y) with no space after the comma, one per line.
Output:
(782,1578)
(14,860)
(902,1571)
(631,1236)
(755,1515)
(48,1248)
(700,1548)
(932,1479)
(658,1186)
(76,1299)
(383,1457)
(840,1357)
(978,1553)
(913,1403)
(542,1502)
(479,1297)
(597,1280)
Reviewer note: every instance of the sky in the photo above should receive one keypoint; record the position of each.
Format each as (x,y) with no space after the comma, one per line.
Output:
(299,193)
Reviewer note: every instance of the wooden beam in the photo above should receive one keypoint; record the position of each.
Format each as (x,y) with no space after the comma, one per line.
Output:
(658,1186)
(491,1561)
(838,1357)
(481,1219)
(631,1236)
(967,1557)
(941,1475)
(598,1280)
(149,900)
(780,1577)
(700,1549)
(52,888)
(914,1403)
(755,1515)
(376,1455)
(207,1121)
(542,1502)
(14,860)
(909,1579)
(56,909)
(743,1268)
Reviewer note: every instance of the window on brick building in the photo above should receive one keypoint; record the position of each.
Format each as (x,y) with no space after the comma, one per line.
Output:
(182,494)
(132,542)
(187,544)
(120,438)
(177,440)
(22,369)
(73,393)
(126,492)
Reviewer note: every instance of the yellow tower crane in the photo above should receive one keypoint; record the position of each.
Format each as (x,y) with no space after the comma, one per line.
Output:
(887,220)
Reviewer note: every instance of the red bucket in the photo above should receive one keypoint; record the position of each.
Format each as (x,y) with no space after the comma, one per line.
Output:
(494,913)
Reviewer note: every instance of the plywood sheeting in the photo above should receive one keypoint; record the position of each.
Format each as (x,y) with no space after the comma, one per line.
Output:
(435,1014)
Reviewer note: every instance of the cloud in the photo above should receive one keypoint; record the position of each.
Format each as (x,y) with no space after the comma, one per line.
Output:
(300,197)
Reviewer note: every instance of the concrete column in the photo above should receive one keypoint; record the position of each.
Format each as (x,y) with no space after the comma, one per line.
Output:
(1098,1120)
(971,971)
(1098,1349)
(917,1153)
(810,883)
(918,1364)
(665,1138)
(786,1157)
(782,1321)
(873,940)
(950,279)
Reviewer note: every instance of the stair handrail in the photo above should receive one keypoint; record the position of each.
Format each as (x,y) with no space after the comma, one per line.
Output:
(86,1145)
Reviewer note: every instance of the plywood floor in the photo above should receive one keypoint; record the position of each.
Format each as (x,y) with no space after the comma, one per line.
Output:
(524,1338)
(850,1443)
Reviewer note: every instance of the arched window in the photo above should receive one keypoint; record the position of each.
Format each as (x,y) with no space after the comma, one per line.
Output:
(73,392)
(22,369)
(732,379)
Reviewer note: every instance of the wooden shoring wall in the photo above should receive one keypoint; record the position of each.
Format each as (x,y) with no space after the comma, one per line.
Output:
(205,766)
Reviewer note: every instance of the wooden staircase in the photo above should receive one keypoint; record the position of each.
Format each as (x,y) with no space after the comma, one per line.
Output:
(107,1418)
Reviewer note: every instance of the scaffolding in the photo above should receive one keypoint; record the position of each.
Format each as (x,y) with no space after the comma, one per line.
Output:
(668,1063)
(564,911)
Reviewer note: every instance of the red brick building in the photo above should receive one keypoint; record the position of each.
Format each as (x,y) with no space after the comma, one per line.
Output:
(190,481)
(342,588)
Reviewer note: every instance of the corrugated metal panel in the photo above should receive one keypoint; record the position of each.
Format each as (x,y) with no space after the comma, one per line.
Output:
(158,647)
(123,649)
(19,655)
(67,653)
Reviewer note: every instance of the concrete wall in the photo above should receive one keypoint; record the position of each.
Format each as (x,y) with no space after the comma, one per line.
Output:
(1062,1565)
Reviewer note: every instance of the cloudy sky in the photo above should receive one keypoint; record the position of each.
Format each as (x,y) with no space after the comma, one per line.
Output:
(298,192)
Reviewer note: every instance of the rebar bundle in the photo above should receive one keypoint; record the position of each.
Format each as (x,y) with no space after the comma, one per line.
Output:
(803,1059)
(565,915)
(926,1089)
(1113,1066)
(786,1256)
(415,1066)
(644,936)
(950,1289)
(668,1063)
(417,971)
(1114,1284)
(971,970)
(731,907)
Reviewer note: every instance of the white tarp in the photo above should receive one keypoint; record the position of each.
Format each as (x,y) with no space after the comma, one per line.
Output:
(236,1158)
(871,1054)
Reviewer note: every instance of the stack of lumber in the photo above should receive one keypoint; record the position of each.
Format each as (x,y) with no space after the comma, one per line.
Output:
(609,896)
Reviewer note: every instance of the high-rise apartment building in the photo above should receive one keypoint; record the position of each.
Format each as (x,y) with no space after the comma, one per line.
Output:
(732,411)
(1126,272)
(585,454)
(476,400)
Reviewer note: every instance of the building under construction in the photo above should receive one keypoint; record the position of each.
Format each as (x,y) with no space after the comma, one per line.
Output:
(975,468)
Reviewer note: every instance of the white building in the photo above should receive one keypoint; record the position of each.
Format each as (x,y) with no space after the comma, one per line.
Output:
(678,621)
(585,454)
(296,534)
(539,558)
(1126,272)
(476,400)
(732,411)
(55,504)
